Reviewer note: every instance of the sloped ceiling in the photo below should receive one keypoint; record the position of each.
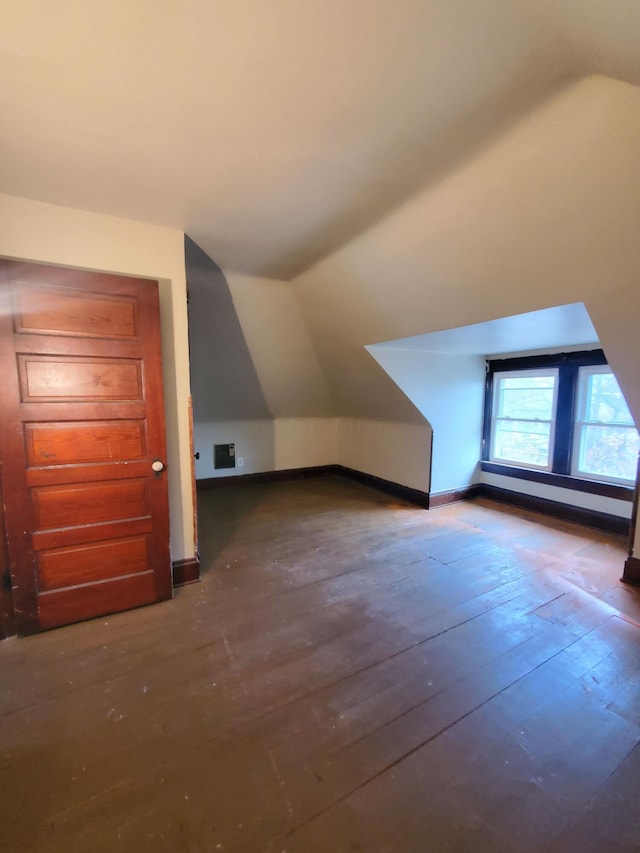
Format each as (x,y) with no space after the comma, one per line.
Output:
(409,166)
(275,132)
(546,215)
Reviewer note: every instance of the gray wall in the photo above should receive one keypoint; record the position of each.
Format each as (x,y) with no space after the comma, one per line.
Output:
(228,403)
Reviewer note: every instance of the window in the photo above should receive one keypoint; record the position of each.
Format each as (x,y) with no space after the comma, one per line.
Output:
(559,415)
(524,413)
(605,441)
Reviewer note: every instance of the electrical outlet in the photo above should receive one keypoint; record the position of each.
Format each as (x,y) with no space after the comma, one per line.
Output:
(240,461)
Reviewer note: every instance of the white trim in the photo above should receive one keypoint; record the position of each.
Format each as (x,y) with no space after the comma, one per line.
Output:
(528,373)
(580,422)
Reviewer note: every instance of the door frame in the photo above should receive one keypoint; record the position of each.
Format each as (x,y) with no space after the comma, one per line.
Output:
(7,617)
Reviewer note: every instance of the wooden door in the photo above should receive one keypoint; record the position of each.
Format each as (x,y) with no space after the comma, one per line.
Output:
(82,423)
(7,627)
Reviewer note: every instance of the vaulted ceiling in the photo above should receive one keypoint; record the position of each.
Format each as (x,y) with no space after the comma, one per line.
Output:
(276,133)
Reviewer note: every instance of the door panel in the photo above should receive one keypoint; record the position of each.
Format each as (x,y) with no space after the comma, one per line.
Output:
(67,536)
(82,602)
(87,522)
(61,567)
(69,506)
(47,378)
(53,311)
(85,441)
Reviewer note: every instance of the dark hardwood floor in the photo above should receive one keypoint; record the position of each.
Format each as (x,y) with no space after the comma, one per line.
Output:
(352,673)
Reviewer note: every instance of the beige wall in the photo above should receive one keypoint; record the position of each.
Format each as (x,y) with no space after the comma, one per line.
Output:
(306,442)
(388,449)
(47,233)
(298,428)
(307,430)
(254,441)
(544,215)
(448,390)
(285,360)
(547,215)
(266,444)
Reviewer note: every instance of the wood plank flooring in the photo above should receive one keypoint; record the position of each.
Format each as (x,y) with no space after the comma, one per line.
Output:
(352,673)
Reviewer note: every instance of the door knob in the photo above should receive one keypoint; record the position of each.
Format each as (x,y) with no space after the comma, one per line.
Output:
(157,465)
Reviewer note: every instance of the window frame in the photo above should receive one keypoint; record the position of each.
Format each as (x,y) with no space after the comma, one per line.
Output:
(514,374)
(580,421)
(561,473)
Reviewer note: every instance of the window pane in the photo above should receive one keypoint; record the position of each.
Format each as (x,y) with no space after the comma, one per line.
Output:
(605,402)
(526,397)
(522,441)
(609,451)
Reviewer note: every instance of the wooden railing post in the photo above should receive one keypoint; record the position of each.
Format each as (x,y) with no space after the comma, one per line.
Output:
(631,572)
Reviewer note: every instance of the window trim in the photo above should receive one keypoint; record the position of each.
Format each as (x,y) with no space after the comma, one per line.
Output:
(580,421)
(561,473)
(541,371)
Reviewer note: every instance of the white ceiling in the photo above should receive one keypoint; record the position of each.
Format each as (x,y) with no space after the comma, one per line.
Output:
(565,326)
(275,132)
